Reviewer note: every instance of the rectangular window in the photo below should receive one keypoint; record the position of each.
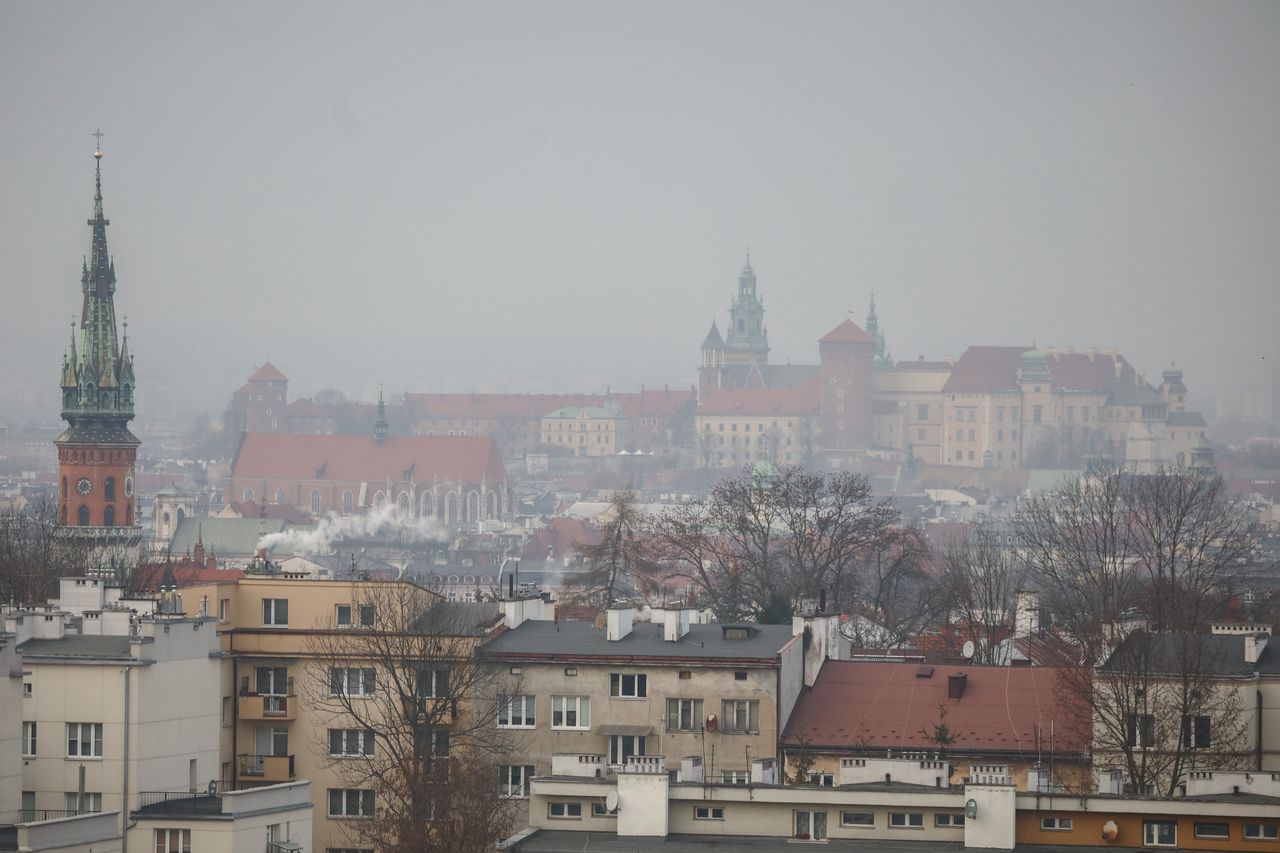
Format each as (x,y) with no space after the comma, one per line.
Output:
(352,681)
(999,414)
(684,715)
(173,841)
(741,717)
(566,811)
(271,681)
(944,819)
(92,802)
(1141,732)
(349,742)
(1220,831)
(735,777)
(515,712)
(343,616)
(350,802)
(1056,824)
(431,742)
(622,747)
(433,683)
(1160,833)
(922,413)
(1037,412)
(275,611)
(1195,732)
(624,686)
(28,739)
(708,813)
(906,820)
(513,781)
(811,825)
(84,740)
(866,819)
(570,712)
(224,607)
(601,810)
(921,433)
(826,780)
(1260,832)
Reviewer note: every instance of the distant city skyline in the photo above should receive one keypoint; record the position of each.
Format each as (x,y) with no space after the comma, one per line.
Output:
(511,198)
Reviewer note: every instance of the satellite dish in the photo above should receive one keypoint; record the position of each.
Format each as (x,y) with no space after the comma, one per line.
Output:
(713,722)
(968,650)
(213,787)
(1110,832)
(611,801)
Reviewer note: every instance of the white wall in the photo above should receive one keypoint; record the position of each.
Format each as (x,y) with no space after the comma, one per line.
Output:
(10,731)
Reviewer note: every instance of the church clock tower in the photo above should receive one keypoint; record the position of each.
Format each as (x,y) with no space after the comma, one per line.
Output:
(96,452)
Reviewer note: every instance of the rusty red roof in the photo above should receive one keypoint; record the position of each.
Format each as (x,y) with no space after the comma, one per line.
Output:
(276,456)
(267,373)
(986,369)
(847,332)
(804,400)
(863,705)
(1087,371)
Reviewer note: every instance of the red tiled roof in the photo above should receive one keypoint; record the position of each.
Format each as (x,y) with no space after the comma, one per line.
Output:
(1083,371)
(284,512)
(804,400)
(559,539)
(857,704)
(847,332)
(664,403)
(985,369)
(360,458)
(267,373)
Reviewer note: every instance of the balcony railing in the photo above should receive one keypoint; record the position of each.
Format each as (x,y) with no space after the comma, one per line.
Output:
(255,706)
(36,815)
(267,768)
(179,803)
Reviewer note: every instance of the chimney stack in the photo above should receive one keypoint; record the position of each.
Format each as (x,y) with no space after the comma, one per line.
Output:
(955,685)
(1254,644)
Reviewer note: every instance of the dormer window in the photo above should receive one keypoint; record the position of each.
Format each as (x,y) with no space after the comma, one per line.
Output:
(736,632)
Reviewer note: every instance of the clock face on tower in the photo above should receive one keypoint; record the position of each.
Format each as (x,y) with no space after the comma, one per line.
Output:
(83,486)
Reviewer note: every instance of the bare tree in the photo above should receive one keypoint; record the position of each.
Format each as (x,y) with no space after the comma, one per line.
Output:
(407,720)
(33,556)
(980,584)
(895,597)
(1163,704)
(615,563)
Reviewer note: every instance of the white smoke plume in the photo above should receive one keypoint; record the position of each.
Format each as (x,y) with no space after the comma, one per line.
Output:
(385,523)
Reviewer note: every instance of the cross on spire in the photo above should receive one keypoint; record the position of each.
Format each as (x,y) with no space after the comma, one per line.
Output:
(98,134)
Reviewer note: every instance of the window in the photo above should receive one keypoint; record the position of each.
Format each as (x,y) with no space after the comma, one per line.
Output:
(92,802)
(1260,832)
(224,607)
(684,715)
(741,716)
(1160,833)
(26,690)
(826,780)
(431,742)
(1036,413)
(315,501)
(906,820)
(740,675)
(624,686)
(708,813)
(601,810)
(513,781)
(28,739)
(946,819)
(343,616)
(1141,731)
(567,811)
(271,681)
(570,712)
(515,712)
(811,825)
(922,413)
(173,841)
(1213,830)
(1056,824)
(84,740)
(434,684)
(622,747)
(857,819)
(1195,732)
(275,611)
(736,777)
(350,802)
(347,742)
(352,681)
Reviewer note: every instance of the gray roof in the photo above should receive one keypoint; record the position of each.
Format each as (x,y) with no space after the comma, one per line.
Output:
(567,841)
(1220,655)
(460,617)
(1186,419)
(227,537)
(538,638)
(79,648)
(774,375)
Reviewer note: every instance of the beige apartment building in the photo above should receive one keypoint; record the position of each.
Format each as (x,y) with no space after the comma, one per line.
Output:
(746,425)
(587,430)
(908,409)
(269,627)
(710,699)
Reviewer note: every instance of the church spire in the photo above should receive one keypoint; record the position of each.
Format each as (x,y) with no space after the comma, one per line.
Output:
(381,426)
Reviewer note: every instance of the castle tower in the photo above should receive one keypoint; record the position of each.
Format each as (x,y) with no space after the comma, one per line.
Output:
(883,360)
(712,361)
(381,426)
(747,340)
(847,356)
(1173,390)
(267,396)
(96,452)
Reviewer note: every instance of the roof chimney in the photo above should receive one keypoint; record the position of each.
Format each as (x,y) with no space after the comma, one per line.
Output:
(1254,644)
(618,622)
(955,685)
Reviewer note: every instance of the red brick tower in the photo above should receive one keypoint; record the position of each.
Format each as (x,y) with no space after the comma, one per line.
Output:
(96,452)
(847,355)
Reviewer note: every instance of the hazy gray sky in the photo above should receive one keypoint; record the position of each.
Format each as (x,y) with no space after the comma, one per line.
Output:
(558,195)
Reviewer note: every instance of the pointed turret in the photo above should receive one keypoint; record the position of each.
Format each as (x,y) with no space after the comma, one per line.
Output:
(882,359)
(381,426)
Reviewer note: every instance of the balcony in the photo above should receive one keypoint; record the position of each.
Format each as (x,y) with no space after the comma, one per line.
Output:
(266,768)
(254,706)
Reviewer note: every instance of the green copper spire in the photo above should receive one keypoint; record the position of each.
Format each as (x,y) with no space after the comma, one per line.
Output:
(97,374)
(381,426)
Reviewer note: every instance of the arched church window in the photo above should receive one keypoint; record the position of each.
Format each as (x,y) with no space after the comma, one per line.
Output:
(279,496)
(64,488)
(109,489)
(315,501)
(348,501)
(82,516)
(248,495)
(109,517)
